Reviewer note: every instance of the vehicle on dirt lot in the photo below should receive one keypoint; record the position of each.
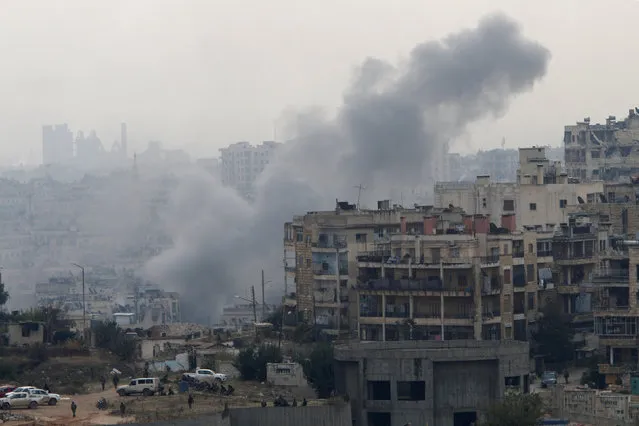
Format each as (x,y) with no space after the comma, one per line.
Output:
(4,390)
(18,400)
(20,389)
(206,375)
(146,386)
(44,397)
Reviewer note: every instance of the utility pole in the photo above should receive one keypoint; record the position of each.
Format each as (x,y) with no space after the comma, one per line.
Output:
(253,301)
(263,299)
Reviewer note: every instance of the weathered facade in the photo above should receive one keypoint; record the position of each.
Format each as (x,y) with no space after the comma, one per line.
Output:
(428,383)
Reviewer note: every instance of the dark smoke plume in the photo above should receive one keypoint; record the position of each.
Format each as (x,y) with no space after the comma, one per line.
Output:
(391,119)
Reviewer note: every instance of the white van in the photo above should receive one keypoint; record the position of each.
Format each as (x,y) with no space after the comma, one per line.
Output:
(146,386)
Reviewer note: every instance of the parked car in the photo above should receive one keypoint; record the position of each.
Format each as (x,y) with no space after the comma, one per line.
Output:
(4,390)
(146,386)
(20,389)
(18,400)
(548,378)
(206,375)
(44,397)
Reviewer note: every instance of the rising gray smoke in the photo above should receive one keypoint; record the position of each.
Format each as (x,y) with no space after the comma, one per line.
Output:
(391,119)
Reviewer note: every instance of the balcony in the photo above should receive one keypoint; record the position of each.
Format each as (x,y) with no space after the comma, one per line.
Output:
(378,258)
(611,277)
(544,253)
(574,258)
(492,260)
(324,269)
(334,244)
(386,284)
(518,253)
(611,310)
(491,314)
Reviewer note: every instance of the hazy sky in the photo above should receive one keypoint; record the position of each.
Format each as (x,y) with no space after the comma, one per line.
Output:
(211,72)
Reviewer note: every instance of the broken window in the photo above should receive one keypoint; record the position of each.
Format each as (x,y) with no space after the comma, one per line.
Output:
(379,390)
(563,204)
(411,391)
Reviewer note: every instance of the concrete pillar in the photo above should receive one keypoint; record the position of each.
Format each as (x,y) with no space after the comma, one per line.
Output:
(410,306)
(402,221)
(477,324)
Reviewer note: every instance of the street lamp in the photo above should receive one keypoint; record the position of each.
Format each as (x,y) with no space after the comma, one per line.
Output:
(84,305)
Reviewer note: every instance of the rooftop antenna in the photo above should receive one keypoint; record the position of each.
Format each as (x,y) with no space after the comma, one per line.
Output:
(360,188)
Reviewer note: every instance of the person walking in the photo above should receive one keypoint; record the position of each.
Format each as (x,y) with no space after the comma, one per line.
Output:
(74,407)
(122,409)
(116,380)
(102,381)
(566,375)
(191,401)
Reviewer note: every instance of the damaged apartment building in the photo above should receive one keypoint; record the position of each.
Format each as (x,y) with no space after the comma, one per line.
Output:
(607,152)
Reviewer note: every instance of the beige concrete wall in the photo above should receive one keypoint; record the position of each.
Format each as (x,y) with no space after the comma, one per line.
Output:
(16,337)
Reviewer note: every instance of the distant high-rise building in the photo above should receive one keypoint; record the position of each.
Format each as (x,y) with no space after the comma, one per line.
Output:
(241,163)
(57,144)
(123,140)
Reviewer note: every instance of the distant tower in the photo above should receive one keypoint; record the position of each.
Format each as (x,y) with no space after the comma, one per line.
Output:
(123,141)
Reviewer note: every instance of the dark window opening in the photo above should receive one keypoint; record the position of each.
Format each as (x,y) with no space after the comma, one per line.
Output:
(563,204)
(379,419)
(411,391)
(533,206)
(468,418)
(512,381)
(509,205)
(379,390)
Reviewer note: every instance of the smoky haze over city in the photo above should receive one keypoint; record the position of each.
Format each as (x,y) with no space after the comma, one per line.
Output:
(392,117)
(180,225)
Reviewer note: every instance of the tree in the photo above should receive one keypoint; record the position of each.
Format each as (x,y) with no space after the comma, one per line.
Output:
(318,369)
(4,294)
(251,362)
(553,337)
(515,410)
(109,336)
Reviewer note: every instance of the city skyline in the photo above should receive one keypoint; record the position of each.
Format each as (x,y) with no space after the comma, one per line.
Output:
(185,106)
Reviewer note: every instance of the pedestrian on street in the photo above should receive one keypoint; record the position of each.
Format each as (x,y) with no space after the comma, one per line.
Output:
(102,381)
(566,375)
(122,408)
(116,380)
(74,407)
(191,400)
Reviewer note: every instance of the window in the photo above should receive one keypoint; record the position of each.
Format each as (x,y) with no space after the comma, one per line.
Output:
(411,391)
(507,276)
(505,249)
(530,272)
(379,390)
(509,205)
(360,238)
(308,263)
(611,197)
(531,248)
(531,301)
(454,252)
(483,202)
(533,206)
(563,204)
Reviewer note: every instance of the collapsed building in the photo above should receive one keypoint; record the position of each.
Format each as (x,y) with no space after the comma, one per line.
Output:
(603,151)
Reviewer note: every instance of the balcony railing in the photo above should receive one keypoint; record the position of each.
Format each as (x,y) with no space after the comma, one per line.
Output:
(494,258)
(573,256)
(384,257)
(491,314)
(544,253)
(336,244)
(611,275)
(612,308)
(326,269)
(411,285)
(518,253)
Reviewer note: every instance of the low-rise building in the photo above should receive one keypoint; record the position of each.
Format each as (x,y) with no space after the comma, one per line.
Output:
(428,383)
(25,333)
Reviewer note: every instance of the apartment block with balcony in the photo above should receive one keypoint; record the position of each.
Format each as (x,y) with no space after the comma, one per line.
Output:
(616,310)
(320,256)
(462,278)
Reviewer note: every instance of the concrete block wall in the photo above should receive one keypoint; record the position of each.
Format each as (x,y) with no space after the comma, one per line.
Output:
(337,414)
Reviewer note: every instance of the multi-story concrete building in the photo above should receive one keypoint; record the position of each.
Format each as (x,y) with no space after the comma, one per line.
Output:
(57,144)
(428,383)
(539,199)
(321,251)
(241,163)
(457,280)
(603,151)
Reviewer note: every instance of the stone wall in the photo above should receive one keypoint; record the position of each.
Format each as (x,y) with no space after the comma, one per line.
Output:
(595,407)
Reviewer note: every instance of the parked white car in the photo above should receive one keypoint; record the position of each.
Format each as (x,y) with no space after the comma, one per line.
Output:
(206,375)
(19,400)
(44,397)
(21,389)
(146,386)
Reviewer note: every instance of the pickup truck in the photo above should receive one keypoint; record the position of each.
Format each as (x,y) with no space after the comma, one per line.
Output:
(205,375)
